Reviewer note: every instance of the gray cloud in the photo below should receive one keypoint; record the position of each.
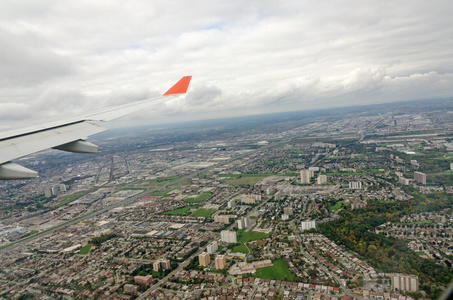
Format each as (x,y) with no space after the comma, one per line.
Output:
(60,58)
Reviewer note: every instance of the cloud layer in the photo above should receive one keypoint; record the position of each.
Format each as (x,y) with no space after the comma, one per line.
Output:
(65,58)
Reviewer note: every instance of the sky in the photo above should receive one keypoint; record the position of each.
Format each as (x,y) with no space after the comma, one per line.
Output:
(65,58)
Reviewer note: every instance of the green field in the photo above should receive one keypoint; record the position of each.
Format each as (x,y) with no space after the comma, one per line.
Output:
(161,180)
(345,173)
(85,250)
(241,249)
(244,237)
(186,181)
(159,193)
(201,197)
(68,199)
(180,211)
(202,212)
(337,206)
(279,271)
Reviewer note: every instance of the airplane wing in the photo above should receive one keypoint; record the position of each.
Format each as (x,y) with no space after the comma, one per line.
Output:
(68,135)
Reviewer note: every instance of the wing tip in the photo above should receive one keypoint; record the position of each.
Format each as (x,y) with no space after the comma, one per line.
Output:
(180,87)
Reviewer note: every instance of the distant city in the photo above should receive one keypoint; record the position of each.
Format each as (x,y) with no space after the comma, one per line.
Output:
(345,203)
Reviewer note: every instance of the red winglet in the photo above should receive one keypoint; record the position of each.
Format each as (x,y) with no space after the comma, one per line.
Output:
(180,87)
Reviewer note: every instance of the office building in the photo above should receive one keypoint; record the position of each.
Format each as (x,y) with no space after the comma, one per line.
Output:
(420,177)
(228,236)
(220,262)
(204,259)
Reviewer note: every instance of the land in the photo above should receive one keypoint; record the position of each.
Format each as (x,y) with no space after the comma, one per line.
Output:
(90,224)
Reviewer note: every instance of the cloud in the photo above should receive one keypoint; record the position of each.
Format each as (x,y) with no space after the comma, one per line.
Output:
(245,57)
(24,60)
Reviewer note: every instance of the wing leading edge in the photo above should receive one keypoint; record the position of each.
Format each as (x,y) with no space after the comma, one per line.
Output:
(67,135)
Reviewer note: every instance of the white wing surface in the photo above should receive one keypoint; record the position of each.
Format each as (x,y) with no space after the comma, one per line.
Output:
(68,135)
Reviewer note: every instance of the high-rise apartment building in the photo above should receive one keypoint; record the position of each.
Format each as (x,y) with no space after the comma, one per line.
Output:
(356,185)
(244,223)
(321,179)
(404,282)
(161,263)
(420,177)
(212,247)
(204,259)
(231,203)
(305,176)
(228,236)
(288,211)
(148,279)
(220,262)
(307,225)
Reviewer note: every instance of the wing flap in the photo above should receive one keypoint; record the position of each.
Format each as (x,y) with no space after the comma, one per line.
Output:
(27,144)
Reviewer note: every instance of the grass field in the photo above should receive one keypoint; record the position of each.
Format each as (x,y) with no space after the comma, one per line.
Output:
(68,199)
(244,237)
(159,193)
(180,211)
(85,250)
(241,249)
(337,206)
(161,180)
(243,180)
(201,197)
(202,212)
(345,173)
(279,271)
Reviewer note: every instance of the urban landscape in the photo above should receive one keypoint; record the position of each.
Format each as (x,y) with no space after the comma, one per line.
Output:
(345,203)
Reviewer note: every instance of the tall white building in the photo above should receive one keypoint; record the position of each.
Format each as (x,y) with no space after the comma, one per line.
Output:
(321,179)
(307,225)
(288,211)
(250,199)
(420,177)
(212,247)
(404,282)
(228,236)
(244,223)
(305,176)
(231,203)
(355,185)
(269,190)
